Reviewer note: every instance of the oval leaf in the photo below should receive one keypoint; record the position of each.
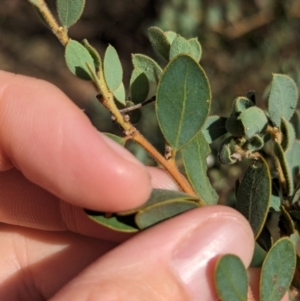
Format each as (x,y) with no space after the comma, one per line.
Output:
(113,71)
(283,168)
(277,270)
(194,159)
(139,86)
(292,158)
(288,134)
(231,280)
(159,196)
(94,53)
(119,94)
(148,66)
(252,128)
(254,195)
(77,59)
(283,98)
(114,222)
(154,214)
(183,100)
(179,45)
(196,50)
(159,41)
(69,11)
(214,128)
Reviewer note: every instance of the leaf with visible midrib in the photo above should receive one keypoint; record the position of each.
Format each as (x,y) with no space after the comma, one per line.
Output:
(277,270)
(254,195)
(183,100)
(69,11)
(231,278)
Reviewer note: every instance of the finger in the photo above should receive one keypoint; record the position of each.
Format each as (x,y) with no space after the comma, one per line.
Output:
(26,204)
(48,138)
(35,264)
(171,261)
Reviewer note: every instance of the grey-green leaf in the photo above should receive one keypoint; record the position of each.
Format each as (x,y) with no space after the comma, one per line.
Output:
(214,128)
(171,35)
(159,41)
(292,158)
(283,98)
(112,68)
(114,222)
(179,46)
(295,120)
(147,65)
(277,270)
(288,134)
(226,151)
(183,100)
(231,280)
(194,156)
(69,11)
(77,57)
(35,2)
(196,49)
(240,104)
(94,53)
(119,94)
(254,195)
(247,118)
(139,86)
(154,214)
(159,196)
(285,168)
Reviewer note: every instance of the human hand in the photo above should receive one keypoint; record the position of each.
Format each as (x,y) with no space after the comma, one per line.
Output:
(50,152)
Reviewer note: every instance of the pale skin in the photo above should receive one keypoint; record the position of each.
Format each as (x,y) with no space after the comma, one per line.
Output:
(52,163)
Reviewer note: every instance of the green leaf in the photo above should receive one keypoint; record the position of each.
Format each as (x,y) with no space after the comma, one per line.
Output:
(231,280)
(113,71)
(226,151)
(283,98)
(183,100)
(254,144)
(258,256)
(240,104)
(119,94)
(179,46)
(234,125)
(148,66)
(254,195)
(118,139)
(296,279)
(196,49)
(275,197)
(252,128)
(159,196)
(117,223)
(277,270)
(171,35)
(282,163)
(288,134)
(214,128)
(292,158)
(69,11)
(286,224)
(159,41)
(295,120)
(156,213)
(139,86)
(94,53)
(194,159)
(77,57)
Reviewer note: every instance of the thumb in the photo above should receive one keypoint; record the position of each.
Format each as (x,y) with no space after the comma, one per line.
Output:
(171,261)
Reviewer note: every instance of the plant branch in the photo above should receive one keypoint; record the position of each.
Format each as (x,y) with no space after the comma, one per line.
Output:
(59,31)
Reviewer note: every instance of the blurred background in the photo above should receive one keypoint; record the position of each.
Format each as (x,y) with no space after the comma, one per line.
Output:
(243,43)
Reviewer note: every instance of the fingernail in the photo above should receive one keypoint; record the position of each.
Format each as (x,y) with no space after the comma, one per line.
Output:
(192,256)
(120,150)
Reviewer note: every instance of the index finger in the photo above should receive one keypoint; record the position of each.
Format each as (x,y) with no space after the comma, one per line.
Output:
(52,142)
